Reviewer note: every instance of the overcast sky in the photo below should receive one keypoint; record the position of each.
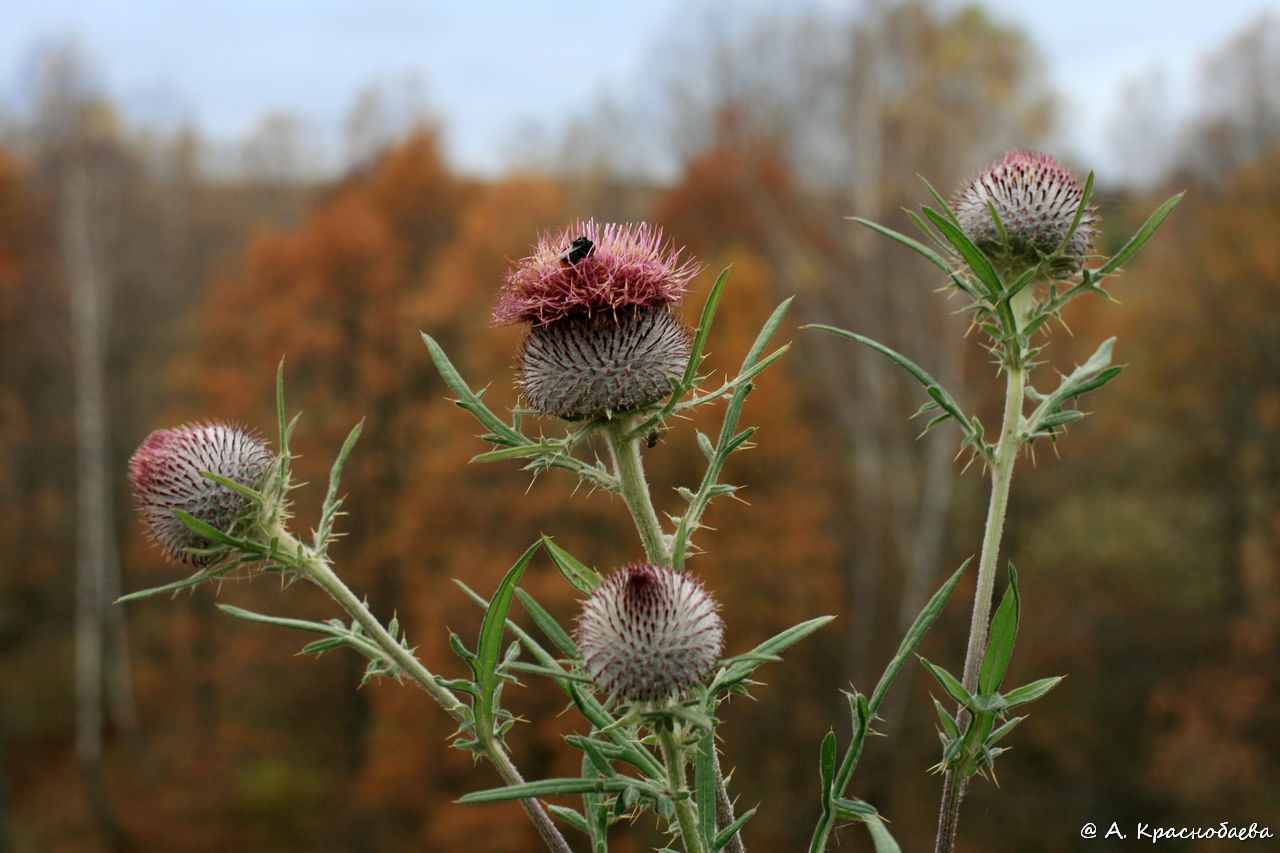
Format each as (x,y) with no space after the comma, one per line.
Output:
(492,68)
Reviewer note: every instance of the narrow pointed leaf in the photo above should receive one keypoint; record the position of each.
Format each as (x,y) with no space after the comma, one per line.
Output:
(548,624)
(468,399)
(584,578)
(948,723)
(973,256)
(741,666)
(854,809)
(914,245)
(827,765)
(489,646)
(1004,629)
(724,836)
(1030,692)
(950,684)
(554,787)
(915,634)
(570,816)
(1139,239)
(881,838)
(704,328)
(936,391)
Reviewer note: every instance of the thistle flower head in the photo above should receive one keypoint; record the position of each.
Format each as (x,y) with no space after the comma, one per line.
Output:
(649,633)
(591,268)
(1036,201)
(591,363)
(165,475)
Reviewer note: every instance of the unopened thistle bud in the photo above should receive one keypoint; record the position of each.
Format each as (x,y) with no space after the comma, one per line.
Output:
(165,474)
(649,633)
(1036,201)
(599,301)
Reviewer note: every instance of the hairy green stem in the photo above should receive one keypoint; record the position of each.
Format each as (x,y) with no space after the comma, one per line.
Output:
(686,811)
(629,469)
(1006,456)
(316,568)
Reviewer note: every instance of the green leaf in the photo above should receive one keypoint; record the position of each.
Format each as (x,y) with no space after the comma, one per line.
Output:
(741,666)
(570,816)
(279,621)
(329,509)
(468,399)
(914,245)
(973,256)
(939,394)
(1091,375)
(213,534)
(1080,209)
(548,624)
(950,684)
(881,838)
(1002,730)
(946,721)
(199,577)
(584,579)
(1004,628)
(595,810)
(1138,240)
(556,787)
(489,646)
(1030,692)
(854,809)
(766,332)
(704,328)
(705,790)
(914,635)
(827,765)
(941,202)
(724,836)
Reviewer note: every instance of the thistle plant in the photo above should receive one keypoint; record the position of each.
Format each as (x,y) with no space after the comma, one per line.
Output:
(1015,243)
(607,358)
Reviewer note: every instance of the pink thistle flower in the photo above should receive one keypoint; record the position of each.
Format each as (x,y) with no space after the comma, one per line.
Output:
(590,268)
(603,337)
(1036,200)
(165,475)
(649,633)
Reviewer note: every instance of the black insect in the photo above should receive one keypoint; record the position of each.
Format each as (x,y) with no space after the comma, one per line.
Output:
(651,440)
(578,250)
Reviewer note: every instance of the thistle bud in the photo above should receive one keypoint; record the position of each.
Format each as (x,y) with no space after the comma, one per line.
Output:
(599,301)
(1036,201)
(649,633)
(165,475)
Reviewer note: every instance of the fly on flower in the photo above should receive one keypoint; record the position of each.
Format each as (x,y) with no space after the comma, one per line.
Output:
(578,251)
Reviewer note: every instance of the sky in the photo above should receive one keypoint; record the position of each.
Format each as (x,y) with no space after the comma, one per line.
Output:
(492,70)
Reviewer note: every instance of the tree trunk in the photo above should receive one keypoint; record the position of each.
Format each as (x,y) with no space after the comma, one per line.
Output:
(96,552)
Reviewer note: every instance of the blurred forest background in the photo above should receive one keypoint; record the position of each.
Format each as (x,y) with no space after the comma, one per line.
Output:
(141,289)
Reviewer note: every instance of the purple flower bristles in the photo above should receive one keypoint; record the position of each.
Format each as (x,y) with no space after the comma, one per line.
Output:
(590,268)
(649,633)
(599,301)
(1036,201)
(165,474)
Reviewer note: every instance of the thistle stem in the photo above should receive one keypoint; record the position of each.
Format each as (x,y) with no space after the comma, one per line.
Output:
(1006,455)
(316,568)
(686,811)
(629,469)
